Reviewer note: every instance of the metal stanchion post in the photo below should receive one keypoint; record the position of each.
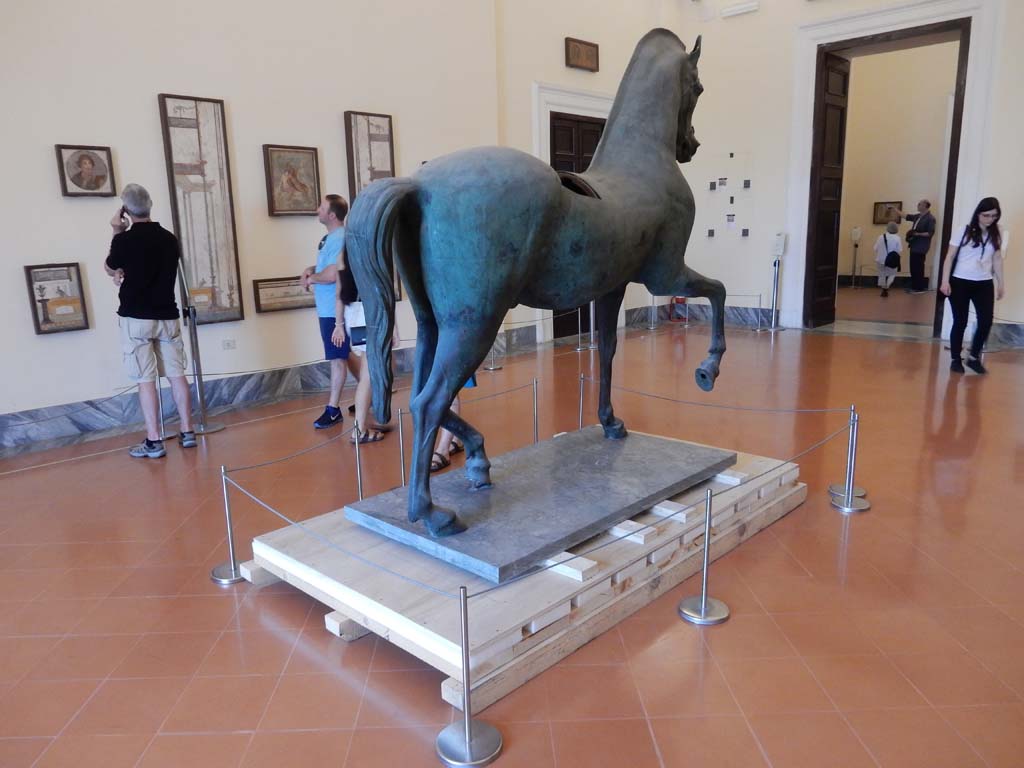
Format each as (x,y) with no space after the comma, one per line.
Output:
(203,427)
(160,408)
(536,432)
(759,328)
(227,573)
(848,498)
(775,297)
(853,276)
(401,444)
(490,362)
(652,322)
(580,347)
(468,742)
(593,326)
(581,401)
(701,609)
(359,461)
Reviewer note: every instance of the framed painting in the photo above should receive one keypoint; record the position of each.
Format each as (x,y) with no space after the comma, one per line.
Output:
(370,147)
(85,171)
(293,180)
(55,293)
(579,54)
(202,205)
(884,212)
(278,293)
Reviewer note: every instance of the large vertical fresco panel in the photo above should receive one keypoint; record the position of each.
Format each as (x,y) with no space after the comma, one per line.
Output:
(199,175)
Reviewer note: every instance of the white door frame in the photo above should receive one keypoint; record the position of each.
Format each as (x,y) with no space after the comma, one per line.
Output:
(985,16)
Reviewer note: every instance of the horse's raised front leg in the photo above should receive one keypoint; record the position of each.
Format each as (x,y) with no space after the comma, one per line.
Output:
(478,466)
(695,284)
(607,316)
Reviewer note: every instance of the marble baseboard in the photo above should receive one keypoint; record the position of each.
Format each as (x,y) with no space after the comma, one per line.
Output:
(41,428)
(746,317)
(1007,335)
(516,339)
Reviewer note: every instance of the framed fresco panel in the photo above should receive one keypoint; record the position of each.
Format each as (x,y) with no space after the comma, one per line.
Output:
(278,293)
(202,205)
(883,213)
(85,171)
(293,180)
(370,146)
(55,292)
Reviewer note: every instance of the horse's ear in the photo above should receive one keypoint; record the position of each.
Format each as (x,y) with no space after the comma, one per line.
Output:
(695,53)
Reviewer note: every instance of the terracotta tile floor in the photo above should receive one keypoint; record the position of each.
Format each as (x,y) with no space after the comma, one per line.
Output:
(895,638)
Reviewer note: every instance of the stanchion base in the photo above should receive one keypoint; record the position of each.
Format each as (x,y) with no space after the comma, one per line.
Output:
(857,504)
(493,367)
(483,749)
(582,349)
(225,575)
(839,489)
(209,429)
(716,611)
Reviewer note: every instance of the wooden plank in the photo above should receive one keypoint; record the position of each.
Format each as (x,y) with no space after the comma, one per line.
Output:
(731,477)
(630,530)
(675,511)
(255,575)
(340,625)
(492,687)
(573,566)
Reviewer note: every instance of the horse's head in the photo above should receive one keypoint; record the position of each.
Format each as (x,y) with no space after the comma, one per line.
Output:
(686,140)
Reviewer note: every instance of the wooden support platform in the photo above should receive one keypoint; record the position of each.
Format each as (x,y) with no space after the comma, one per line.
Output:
(519,629)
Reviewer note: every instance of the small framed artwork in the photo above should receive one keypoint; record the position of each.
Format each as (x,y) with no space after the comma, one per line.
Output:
(55,293)
(293,180)
(579,54)
(885,212)
(278,293)
(370,147)
(85,171)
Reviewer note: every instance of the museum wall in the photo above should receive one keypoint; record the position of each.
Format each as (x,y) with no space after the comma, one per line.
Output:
(899,110)
(90,74)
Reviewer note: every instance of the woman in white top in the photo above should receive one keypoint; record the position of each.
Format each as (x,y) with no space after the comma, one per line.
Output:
(888,242)
(973,274)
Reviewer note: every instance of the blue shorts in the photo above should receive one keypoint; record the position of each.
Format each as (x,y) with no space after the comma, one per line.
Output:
(332,352)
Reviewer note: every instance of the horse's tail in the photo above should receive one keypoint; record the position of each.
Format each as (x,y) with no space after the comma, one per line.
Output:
(369,239)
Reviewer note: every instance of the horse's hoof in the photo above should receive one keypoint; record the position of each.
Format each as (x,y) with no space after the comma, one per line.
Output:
(615,431)
(441,523)
(478,474)
(706,375)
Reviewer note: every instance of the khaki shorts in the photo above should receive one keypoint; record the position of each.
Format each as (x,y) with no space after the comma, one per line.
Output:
(152,347)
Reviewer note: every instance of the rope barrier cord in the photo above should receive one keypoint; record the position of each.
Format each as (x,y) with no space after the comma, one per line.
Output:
(746,408)
(323,539)
(334,439)
(650,526)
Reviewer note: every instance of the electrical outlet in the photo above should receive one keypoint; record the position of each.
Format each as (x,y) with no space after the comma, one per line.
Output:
(227,344)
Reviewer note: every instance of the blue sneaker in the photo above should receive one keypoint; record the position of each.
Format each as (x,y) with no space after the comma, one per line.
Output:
(328,418)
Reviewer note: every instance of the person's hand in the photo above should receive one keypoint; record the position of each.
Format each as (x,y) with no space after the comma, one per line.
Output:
(945,289)
(304,278)
(118,223)
(338,337)
(999,292)
(118,277)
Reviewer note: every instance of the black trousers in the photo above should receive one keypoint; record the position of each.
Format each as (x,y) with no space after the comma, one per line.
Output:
(963,293)
(918,282)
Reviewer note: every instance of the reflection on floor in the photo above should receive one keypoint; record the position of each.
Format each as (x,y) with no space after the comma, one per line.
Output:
(892,638)
(867,303)
(879,330)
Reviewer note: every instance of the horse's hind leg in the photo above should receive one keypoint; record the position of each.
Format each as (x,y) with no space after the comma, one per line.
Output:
(607,316)
(478,466)
(692,283)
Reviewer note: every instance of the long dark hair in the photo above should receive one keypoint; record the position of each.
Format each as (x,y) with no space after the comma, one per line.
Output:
(974,228)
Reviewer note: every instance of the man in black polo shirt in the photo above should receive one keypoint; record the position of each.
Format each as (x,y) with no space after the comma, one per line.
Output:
(143,260)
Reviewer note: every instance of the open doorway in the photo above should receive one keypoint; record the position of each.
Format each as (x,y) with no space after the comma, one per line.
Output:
(887,120)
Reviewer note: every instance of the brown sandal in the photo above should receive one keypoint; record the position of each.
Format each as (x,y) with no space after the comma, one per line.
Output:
(456,447)
(369,436)
(438,462)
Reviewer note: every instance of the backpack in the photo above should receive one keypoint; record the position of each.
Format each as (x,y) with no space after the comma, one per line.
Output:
(892,258)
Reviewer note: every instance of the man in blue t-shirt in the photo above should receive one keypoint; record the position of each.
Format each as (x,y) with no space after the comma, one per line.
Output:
(321,278)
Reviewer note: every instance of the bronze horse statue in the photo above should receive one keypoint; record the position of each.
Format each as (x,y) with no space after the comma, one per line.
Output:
(476,232)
